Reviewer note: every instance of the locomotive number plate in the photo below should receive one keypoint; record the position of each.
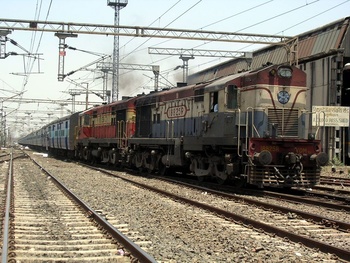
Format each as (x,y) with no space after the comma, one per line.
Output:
(176,111)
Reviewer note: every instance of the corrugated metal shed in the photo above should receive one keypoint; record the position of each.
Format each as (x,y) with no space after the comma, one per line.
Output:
(315,43)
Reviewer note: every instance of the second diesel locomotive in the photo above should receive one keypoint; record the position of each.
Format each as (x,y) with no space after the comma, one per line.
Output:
(248,127)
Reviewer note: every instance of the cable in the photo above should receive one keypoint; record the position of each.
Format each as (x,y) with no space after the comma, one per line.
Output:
(163,27)
(239,13)
(273,17)
(154,21)
(315,15)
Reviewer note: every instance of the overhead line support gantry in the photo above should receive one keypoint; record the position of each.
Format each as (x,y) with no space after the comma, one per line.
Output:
(70,29)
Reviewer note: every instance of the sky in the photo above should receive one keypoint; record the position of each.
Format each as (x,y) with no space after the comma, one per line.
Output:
(275,17)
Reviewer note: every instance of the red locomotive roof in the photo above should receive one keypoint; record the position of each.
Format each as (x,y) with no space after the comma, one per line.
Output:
(166,95)
(266,75)
(270,76)
(116,105)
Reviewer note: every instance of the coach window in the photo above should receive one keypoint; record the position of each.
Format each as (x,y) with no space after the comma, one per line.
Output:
(86,120)
(231,97)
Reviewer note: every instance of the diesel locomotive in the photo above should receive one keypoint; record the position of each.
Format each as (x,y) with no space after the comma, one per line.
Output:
(251,127)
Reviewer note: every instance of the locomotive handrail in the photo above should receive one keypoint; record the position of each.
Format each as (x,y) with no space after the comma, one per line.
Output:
(120,132)
(324,122)
(167,130)
(318,121)
(247,126)
(253,126)
(239,133)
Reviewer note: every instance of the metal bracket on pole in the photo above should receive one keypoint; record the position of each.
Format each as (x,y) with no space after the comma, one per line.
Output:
(62,53)
(185,60)
(155,70)
(3,39)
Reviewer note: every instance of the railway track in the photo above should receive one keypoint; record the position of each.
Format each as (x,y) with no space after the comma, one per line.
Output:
(327,189)
(324,199)
(328,235)
(231,219)
(331,180)
(48,225)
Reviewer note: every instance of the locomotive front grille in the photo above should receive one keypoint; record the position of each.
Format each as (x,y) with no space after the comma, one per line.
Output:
(285,120)
(266,176)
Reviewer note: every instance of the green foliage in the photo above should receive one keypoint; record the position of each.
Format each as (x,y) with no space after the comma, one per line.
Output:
(336,161)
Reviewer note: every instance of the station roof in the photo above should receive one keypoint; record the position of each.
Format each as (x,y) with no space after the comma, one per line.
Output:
(320,42)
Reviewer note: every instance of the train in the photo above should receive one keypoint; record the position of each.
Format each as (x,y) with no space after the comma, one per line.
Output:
(246,128)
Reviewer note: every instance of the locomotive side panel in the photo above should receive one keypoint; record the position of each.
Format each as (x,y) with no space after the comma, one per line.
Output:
(102,132)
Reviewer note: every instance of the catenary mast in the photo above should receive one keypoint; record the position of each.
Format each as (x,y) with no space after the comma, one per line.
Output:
(117,5)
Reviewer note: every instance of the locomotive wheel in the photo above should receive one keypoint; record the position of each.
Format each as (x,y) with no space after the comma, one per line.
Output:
(238,182)
(165,171)
(220,181)
(201,179)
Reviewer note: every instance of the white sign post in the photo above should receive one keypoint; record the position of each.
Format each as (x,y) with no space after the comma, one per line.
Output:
(330,116)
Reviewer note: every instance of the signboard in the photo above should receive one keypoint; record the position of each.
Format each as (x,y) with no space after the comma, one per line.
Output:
(330,116)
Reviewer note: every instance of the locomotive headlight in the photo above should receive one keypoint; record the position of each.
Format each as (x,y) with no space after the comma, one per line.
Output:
(188,155)
(311,136)
(228,157)
(285,72)
(264,157)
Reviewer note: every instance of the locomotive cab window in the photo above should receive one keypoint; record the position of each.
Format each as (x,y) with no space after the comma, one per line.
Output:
(199,95)
(214,101)
(231,97)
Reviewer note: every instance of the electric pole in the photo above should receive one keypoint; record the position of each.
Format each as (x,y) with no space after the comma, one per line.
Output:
(117,5)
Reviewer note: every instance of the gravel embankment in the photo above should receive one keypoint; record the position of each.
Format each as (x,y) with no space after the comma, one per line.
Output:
(180,233)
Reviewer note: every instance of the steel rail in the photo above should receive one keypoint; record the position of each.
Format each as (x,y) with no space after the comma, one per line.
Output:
(342,182)
(5,243)
(330,189)
(324,247)
(135,250)
(310,201)
(316,218)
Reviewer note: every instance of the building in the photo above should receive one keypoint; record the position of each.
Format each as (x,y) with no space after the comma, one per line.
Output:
(324,54)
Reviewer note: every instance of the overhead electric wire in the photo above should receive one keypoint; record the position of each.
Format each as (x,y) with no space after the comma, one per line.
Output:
(239,13)
(316,15)
(136,49)
(154,21)
(30,62)
(273,17)
(284,13)
(325,11)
